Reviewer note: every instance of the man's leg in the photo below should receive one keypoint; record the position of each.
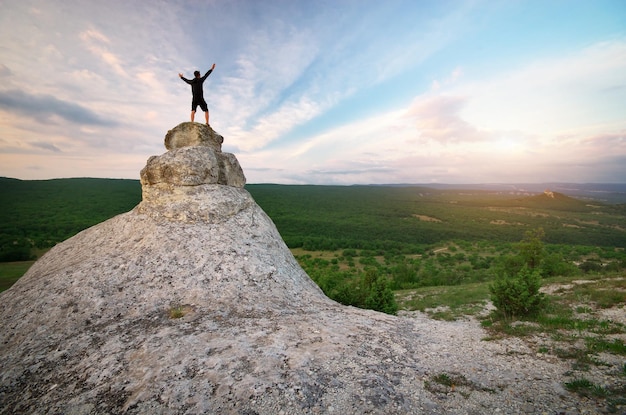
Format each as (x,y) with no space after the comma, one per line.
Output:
(193,114)
(206,117)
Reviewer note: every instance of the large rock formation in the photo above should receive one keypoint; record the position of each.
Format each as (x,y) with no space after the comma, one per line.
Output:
(192,304)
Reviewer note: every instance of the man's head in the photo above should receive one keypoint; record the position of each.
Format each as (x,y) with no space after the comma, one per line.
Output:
(196,74)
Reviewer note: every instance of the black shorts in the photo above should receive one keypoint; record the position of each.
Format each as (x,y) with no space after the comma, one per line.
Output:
(201,102)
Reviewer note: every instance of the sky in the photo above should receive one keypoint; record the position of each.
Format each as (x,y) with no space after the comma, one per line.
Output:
(334,92)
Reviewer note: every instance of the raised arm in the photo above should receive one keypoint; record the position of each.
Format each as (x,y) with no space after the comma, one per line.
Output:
(208,72)
(180,75)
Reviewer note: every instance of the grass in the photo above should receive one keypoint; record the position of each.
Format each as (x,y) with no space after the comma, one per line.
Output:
(601,344)
(584,387)
(176,312)
(446,303)
(445,383)
(10,272)
(615,395)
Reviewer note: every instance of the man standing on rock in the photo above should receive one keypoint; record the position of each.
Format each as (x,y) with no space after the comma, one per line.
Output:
(197,94)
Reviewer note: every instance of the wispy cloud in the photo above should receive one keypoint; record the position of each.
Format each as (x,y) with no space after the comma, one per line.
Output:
(438,129)
(551,95)
(310,66)
(438,118)
(46,146)
(97,43)
(4,70)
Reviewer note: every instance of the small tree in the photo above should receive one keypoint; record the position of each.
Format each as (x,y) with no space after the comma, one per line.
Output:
(531,247)
(381,297)
(377,294)
(518,296)
(530,253)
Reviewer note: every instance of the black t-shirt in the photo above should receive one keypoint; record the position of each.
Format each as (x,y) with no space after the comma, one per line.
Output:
(196,84)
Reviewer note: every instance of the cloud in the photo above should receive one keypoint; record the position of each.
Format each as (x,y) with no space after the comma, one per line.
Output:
(46,146)
(97,43)
(265,94)
(4,70)
(551,95)
(292,71)
(456,74)
(614,140)
(19,102)
(437,118)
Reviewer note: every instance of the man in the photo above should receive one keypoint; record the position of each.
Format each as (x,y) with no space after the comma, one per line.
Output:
(197,94)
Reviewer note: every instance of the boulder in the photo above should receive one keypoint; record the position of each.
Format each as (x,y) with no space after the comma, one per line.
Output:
(190,134)
(193,166)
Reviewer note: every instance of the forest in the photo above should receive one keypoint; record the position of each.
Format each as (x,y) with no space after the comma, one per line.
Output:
(407,218)
(37,214)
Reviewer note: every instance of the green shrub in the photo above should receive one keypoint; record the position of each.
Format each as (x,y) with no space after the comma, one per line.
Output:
(554,265)
(518,296)
(531,248)
(380,297)
(591,266)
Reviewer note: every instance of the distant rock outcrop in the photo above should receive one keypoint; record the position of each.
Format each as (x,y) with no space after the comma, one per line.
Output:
(192,304)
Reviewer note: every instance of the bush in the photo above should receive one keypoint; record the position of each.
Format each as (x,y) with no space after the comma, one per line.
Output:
(380,296)
(554,265)
(14,249)
(590,266)
(531,248)
(518,296)
(368,290)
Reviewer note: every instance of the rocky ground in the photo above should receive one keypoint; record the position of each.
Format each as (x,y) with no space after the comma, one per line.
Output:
(507,375)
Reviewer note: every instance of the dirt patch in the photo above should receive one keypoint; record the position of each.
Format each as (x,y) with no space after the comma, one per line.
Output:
(517,211)
(554,288)
(503,222)
(425,218)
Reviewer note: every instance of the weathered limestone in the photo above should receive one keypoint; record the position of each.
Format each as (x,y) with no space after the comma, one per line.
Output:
(195,158)
(193,134)
(180,184)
